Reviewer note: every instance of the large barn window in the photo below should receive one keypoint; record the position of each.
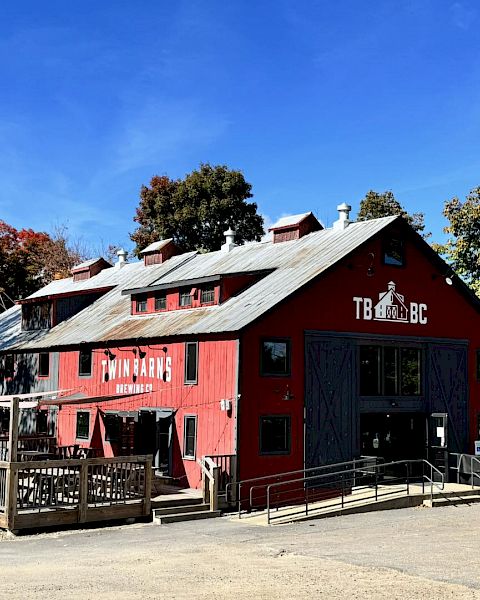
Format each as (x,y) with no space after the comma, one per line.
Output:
(390,371)
(189,436)
(275,357)
(191,362)
(83,425)
(207,294)
(141,304)
(185,297)
(394,252)
(275,435)
(160,301)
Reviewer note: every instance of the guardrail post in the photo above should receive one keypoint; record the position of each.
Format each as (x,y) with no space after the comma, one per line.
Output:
(13,430)
(376,483)
(147,502)
(233,477)
(83,492)
(11,496)
(214,481)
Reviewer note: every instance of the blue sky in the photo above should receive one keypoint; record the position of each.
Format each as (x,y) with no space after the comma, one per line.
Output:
(315,101)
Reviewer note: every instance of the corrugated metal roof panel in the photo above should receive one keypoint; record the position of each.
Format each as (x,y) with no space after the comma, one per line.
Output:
(294,264)
(289,220)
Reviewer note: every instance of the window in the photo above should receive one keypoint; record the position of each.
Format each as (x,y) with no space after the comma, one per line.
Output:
(83,425)
(8,366)
(275,435)
(160,302)
(189,436)
(185,297)
(390,371)
(85,363)
(207,294)
(275,357)
(141,304)
(42,422)
(44,364)
(393,253)
(191,362)
(112,427)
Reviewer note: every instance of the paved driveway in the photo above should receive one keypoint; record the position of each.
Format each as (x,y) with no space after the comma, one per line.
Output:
(409,553)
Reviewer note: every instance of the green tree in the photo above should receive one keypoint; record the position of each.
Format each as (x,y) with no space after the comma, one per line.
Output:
(462,248)
(376,205)
(196,210)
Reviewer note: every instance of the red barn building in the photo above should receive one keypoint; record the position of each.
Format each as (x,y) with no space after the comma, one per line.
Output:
(316,347)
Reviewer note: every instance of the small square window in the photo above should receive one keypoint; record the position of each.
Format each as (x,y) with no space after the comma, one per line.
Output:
(275,357)
(189,436)
(275,435)
(83,425)
(85,363)
(141,304)
(207,294)
(191,362)
(185,297)
(160,302)
(394,253)
(44,364)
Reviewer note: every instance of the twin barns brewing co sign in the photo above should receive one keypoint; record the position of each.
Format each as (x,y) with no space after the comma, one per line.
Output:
(158,368)
(391,306)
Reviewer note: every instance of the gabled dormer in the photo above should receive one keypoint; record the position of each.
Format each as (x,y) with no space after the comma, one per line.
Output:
(89,269)
(294,227)
(158,252)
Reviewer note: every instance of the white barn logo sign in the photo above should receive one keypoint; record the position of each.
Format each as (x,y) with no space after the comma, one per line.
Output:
(391,307)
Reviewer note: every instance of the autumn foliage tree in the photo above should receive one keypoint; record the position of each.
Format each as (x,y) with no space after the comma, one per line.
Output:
(196,210)
(462,248)
(30,260)
(376,205)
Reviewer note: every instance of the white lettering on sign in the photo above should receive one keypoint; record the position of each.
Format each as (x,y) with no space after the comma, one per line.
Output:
(391,306)
(154,368)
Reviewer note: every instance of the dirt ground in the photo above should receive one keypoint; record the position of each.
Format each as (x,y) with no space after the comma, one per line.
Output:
(409,553)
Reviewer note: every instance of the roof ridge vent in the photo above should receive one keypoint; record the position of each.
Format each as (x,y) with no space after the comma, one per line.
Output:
(229,240)
(122,258)
(343,217)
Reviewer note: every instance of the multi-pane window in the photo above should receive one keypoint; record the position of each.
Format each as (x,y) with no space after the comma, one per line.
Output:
(85,363)
(141,304)
(275,357)
(393,252)
(185,298)
(44,364)
(207,294)
(189,436)
(275,435)
(160,301)
(83,425)
(191,362)
(390,371)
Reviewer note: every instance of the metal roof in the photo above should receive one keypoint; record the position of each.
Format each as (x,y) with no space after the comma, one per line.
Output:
(89,263)
(156,245)
(292,264)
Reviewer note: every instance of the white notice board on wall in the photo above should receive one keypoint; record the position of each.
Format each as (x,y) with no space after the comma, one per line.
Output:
(477,447)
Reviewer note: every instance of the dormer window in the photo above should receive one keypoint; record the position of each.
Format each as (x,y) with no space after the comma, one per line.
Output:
(160,301)
(185,298)
(207,294)
(141,304)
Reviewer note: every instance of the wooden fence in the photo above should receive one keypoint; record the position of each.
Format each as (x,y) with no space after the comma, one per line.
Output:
(61,492)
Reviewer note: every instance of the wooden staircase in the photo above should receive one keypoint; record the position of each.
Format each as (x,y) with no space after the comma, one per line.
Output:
(187,509)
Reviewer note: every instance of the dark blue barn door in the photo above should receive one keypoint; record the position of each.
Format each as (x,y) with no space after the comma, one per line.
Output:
(331,413)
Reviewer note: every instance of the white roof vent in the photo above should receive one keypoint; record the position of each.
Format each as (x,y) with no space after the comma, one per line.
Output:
(343,216)
(122,258)
(229,240)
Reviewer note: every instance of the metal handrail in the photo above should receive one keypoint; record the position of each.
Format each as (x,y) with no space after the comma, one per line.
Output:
(341,480)
(472,472)
(287,473)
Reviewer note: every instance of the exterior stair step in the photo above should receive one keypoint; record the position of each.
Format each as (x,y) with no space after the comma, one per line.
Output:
(167,503)
(452,501)
(174,510)
(189,516)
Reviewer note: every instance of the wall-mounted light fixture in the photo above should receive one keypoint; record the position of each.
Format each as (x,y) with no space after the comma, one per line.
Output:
(110,354)
(371,269)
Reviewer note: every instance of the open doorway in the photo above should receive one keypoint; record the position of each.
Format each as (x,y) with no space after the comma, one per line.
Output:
(393,436)
(153,436)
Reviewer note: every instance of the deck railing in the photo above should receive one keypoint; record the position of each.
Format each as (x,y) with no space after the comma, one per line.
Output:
(57,492)
(227,475)
(26,443)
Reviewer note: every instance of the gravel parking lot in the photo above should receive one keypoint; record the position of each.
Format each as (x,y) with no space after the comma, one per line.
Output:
(409,553)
